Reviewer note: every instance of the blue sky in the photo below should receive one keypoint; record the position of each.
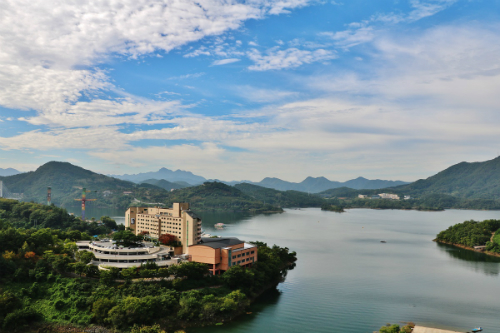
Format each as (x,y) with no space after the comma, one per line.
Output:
(247,89)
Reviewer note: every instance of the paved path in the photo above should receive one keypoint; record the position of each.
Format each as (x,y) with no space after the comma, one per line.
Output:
(421,329)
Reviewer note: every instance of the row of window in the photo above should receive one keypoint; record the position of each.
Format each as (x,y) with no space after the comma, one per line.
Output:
(241,261)
(243,254)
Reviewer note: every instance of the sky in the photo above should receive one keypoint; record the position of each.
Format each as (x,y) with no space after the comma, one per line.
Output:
(242,90)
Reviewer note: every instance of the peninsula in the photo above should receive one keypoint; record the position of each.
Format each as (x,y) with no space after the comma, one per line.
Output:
(472,235)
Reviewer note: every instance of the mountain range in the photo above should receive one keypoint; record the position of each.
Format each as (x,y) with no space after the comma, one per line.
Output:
(8,172)
(463,181)
(319,184)
(310,184)
(163,173)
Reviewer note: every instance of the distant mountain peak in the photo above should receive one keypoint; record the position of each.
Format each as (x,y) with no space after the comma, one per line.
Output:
(164,173)
(8,172)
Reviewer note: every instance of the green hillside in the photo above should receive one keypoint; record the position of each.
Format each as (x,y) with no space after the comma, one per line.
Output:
(66,180)
(217,196)
(165,184)
(477,180)
(281,198)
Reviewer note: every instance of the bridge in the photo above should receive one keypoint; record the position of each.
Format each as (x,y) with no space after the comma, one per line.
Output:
(5,193)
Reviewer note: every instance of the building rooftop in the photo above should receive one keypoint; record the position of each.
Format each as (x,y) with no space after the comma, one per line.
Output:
(193,215)
(217,243)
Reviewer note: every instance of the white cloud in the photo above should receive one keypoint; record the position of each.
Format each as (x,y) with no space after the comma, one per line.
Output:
(44,42)
(366,30)
(289,58)
(224,61)
(260,95)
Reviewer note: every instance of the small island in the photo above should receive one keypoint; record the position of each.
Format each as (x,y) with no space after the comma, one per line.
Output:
(332,208)
(472,235)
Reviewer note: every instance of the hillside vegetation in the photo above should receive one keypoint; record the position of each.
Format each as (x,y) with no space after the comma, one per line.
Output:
(67,181)
(477,180)
(469,233)
(165,184)
(281,198)
(46,282)
(218,196)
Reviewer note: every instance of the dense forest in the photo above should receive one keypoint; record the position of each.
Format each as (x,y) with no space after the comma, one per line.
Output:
(472,233)
(44,280)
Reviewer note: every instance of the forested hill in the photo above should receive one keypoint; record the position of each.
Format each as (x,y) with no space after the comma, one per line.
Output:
(219,196)
(66,180)
(281,198)
(477,180)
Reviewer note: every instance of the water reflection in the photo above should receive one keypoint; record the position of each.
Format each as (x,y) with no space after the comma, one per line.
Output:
(267,302)
(473,260)
(209,219)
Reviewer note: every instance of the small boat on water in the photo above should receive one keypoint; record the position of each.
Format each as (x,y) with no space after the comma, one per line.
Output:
(479,329)
(383,242)
(219,225)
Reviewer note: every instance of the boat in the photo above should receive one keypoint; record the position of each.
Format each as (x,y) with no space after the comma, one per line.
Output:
(479,329)
(383,242)
(219,226)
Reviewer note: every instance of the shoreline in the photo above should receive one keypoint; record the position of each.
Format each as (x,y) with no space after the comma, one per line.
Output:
(493,254)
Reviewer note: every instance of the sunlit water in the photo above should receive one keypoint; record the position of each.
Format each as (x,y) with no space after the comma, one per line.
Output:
(346,280)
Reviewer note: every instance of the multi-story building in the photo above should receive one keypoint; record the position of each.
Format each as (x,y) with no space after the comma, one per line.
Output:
(221,253)
(178,221)
(389,196)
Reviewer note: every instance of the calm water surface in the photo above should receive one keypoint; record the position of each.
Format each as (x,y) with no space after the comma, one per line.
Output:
(117,214)
(347,281)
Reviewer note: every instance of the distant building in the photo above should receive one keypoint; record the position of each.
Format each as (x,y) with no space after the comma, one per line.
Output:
(362,196)
(375,197)
(221,253)
(178,221)
(389,196)
(407,197)
(107,193)
(127,193)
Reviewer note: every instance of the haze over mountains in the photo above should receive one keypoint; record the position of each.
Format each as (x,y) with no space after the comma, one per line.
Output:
(163,173)
(8,172)
(463,181)
(310,184)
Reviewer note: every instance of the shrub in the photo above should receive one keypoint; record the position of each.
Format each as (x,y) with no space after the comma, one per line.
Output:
(19,318)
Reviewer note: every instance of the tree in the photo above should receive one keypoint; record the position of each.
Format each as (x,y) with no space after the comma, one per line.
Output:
(167,239)
(390,329)
(190,270)
(238,277)
(85,257)
(100,309)
(126,238)
(109,222)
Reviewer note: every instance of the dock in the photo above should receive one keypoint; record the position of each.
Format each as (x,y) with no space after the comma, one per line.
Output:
(422,329)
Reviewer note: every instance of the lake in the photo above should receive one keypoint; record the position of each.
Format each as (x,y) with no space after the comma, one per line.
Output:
(346,280)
